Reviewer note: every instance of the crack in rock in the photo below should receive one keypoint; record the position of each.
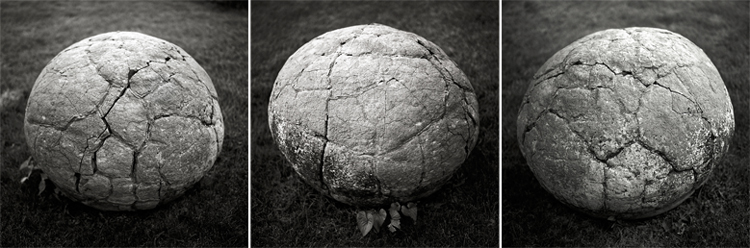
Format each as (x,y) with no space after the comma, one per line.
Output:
(152,158)
(375,121)
(624,111)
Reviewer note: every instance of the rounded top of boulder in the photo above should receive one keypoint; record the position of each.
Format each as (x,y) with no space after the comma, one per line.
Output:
(383,114)
(123,121)
(625,122)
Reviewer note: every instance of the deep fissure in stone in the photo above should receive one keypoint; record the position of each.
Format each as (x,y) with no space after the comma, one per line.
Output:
(652,71)
(114,92)
(78,181)
(377,185)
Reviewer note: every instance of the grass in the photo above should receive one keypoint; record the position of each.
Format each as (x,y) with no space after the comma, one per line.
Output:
(288,213)
(716,215)
(214,212)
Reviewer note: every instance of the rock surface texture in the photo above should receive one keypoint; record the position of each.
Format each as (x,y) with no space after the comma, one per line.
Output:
(625,123)
(124,121)
(370,115)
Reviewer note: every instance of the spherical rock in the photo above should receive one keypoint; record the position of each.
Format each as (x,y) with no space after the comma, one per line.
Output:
(625,123)
(369,115)
(123,121)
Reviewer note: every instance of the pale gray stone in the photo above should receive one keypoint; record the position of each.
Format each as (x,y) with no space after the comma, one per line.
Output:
(370,115)
(625,123)
(116,115)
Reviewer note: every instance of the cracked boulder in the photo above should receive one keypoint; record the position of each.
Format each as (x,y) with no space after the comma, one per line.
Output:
(123,121)
(625,123)
(369,115)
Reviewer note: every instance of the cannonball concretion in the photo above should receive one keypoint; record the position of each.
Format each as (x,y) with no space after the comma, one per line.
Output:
(369,115)
(123,121)
(625,123)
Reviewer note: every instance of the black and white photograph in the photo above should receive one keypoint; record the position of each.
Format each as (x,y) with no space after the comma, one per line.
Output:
(625,123)
(374,123)
(407,123)
(124,123)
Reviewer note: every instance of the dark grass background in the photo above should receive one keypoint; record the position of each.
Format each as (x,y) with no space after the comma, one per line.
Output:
(716,214)
(214,213)
(286,212)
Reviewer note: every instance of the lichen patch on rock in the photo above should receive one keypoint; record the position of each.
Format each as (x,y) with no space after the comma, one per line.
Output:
(124,121)
(625,122)
(369,114)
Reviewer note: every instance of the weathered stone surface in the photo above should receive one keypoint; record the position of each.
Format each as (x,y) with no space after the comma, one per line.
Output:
(115,116)
(625,123)
(147,192)
(115,159)
(95,186)
(146,204)
(369,115)
(122,192)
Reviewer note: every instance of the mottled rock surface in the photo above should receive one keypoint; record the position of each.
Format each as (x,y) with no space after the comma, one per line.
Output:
(124,121)
(370,114)
(625,123)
